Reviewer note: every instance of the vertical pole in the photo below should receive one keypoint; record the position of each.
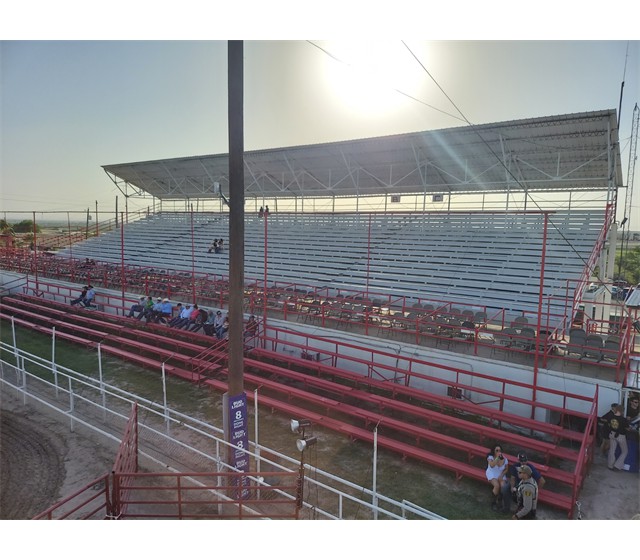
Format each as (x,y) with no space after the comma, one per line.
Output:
(235,400)
(15,341)
(70,242)
(375,473)
(102,392)
(116,210)
(164,397)
(35,252)
(368,255)
(236,214)
(536,355)
(266,264)
(255,423)
(123,276)
(53,358)
(193,261)
(97,227)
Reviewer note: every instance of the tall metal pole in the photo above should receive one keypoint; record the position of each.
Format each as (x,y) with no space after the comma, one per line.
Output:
(266,255)
(236,216)
(123,276)
(193,261)
(235,400)
(536,355)
(35,252)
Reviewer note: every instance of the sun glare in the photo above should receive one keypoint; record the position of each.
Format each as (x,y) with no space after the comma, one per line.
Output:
(367,76)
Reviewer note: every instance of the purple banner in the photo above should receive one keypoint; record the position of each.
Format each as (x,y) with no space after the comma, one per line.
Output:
(239,436)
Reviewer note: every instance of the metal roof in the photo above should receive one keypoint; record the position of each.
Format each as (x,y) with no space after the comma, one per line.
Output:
(566,152)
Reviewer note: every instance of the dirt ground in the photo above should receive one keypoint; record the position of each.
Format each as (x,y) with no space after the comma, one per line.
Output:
(41,461)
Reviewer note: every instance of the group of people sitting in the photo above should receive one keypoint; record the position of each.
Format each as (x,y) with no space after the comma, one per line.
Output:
(518,482)
(192,318)
(188,317)
(159,312)
(217,246)
(87,297)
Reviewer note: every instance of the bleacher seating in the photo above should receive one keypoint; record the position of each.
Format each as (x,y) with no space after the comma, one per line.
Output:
(469,257)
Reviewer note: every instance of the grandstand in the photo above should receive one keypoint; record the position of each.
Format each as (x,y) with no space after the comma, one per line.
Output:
(498,251)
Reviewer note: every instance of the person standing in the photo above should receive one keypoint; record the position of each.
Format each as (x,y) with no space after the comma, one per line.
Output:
(527,493)
(617,438)
(603,423)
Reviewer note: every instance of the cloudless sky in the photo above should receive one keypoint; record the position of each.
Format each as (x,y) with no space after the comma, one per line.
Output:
(67,107)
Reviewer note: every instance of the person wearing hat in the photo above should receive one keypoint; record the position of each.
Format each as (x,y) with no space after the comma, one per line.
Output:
(509,488)
(156,311)
(527,494)
(166,311)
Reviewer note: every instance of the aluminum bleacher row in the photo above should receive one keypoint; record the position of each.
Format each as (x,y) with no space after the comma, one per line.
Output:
(493,258)
(434,427)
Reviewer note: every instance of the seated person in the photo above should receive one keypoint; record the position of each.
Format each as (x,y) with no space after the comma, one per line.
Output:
(200,320)
(175,319)
(83,294)
(224,329)
(217,323)
(166,311)
(193,317)
(156,312)
(87,301)
(137,307)
(183,318)
(208,324)
(251,328)
(148,307)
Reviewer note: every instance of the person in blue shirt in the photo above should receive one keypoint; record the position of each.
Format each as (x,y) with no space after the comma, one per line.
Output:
(166,311)
(183,319)
(511,484)
(91,295)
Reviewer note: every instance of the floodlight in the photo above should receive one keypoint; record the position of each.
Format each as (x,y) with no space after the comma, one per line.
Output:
(297,424)
(302,444)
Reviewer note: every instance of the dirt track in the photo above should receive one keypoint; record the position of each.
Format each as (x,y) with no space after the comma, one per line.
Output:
(31,466)
(41,460)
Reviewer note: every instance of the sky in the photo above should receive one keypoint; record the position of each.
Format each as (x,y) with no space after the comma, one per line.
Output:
(69,105)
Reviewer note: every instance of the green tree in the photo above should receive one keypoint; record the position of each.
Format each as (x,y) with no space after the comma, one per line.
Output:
(25,226)
(630,271)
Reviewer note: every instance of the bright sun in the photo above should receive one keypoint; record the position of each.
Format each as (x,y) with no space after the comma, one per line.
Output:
(368,75)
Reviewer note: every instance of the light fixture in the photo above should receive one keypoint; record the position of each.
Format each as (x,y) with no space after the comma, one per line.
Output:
(302,444)
(624,221)
(297,424)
